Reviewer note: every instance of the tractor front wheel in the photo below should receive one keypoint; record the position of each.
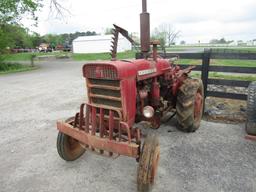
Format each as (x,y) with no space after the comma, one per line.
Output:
(189,105)
(69,148)
(148,163)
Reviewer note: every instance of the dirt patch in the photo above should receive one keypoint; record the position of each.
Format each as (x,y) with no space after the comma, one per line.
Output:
(225,110)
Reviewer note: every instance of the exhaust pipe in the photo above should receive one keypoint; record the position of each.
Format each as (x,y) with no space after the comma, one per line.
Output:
(144,29)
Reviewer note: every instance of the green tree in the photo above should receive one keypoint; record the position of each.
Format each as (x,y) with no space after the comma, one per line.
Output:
(159,35)
(166,34)
(222,41)
(36,39)
(15,36)
(68,38)
(219,41)
(11,11)
(214,41)
(53,39)
(170,33)
(182,42)
(108,31)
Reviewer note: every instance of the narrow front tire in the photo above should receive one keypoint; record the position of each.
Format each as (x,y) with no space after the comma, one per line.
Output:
(148,163)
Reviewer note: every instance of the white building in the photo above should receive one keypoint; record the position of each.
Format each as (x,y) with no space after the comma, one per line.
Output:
(251,42)
(99,44)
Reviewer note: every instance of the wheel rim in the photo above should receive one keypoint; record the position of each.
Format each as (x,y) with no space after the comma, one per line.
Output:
(73,147)
(69,148)
(72,144)
(198,105)
(155,122)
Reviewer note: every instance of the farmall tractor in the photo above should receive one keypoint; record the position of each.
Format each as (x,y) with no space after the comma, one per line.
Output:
(122,93)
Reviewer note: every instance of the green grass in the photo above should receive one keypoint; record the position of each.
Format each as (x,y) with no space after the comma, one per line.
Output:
(189,61)
(175,49)
(221,62)
(235,48)
(24,56)
(6,68)
(75,56)
(125,55)
(217,75)
(90,56)
(229,62)
(249,49)
(101,56)
(233,76)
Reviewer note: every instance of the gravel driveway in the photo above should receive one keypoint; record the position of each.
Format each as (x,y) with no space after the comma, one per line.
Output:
(215,158)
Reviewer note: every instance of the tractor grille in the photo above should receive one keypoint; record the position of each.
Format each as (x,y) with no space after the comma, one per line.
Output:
(105,92)
(101,72)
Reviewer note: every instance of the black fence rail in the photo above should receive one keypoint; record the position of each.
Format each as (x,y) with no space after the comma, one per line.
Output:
(205,68)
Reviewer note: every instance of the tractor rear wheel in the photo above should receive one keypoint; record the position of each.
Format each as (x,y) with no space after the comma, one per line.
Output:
(69,148)
(251,109)
(148,163)
(189,105)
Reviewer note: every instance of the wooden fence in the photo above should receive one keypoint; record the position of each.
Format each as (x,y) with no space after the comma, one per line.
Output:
(205,68)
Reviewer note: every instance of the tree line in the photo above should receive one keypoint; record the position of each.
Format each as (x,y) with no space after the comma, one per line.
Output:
(14,36)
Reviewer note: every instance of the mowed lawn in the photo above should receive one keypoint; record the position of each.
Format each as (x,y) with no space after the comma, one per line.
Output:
(74,56)
(223,62)
(131,54)
(185,48)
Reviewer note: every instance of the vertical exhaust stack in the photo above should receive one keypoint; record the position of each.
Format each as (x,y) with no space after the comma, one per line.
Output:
(144,29)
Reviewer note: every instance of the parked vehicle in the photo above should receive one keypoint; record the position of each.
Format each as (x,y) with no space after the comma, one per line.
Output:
(122,93)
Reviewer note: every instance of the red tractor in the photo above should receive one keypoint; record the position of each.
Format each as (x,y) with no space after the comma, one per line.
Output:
(122,93)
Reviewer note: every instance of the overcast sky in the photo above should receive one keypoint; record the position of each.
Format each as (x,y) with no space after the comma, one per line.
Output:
(196,19)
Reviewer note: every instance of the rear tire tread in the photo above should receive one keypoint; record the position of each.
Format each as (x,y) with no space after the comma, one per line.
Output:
(250,125)
(185,105)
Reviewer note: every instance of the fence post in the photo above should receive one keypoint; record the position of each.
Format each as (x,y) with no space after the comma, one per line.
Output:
(32,58)
(205,69)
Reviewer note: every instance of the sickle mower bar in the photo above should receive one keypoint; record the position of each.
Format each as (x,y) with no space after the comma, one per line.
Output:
(101,128)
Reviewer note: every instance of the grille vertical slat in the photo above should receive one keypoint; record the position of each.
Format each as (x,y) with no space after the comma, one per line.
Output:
(101,72)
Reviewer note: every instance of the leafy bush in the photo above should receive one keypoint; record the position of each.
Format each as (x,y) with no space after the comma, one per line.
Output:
(14,67)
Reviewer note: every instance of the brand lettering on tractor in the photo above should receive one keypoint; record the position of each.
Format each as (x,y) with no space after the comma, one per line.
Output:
(146,71)
(99,72)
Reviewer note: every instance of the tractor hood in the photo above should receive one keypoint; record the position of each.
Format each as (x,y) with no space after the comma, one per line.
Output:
(123,69)
(110,70)
(150,68)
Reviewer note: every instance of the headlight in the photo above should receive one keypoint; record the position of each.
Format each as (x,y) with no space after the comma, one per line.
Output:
(148,111)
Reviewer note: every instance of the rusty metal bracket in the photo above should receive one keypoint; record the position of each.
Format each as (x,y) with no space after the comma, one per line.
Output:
(113,146)
(250,137)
